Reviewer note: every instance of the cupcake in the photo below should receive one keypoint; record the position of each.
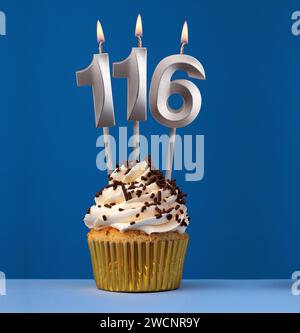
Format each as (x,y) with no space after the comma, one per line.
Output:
(137,237)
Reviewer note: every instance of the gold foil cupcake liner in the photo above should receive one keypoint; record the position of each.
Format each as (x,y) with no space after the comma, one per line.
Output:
(138,266)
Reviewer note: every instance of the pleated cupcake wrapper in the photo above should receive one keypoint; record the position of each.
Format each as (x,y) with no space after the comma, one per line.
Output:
(138,266)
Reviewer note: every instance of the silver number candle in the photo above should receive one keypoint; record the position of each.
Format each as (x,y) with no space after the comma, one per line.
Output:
(162,88)
(97,75)
(134,68)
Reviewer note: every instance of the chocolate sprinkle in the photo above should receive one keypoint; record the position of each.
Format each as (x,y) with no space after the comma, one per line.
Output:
(169,216)
(125,192)
(158,210)
(159,196)
(151,180)
(183,223)
(132,223)
(104,217)
(127,171)
(98,194)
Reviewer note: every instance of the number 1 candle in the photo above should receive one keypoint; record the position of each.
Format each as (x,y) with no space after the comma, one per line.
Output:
(134,68)
(97,75)
(162,88)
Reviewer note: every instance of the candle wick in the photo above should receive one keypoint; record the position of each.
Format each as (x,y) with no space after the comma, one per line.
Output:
(101,47)
(182,48)
(139,40)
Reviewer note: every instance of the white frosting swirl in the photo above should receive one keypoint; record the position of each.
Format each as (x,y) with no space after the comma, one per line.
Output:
(138,198)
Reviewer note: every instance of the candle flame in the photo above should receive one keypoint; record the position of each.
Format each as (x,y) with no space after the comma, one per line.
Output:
(139,27)
(184,34)
(100,34)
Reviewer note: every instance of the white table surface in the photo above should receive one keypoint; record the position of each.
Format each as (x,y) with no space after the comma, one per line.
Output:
(193,296)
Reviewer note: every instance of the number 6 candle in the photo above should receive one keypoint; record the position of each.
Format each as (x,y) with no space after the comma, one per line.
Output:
(134,68)
(97,75)
(162,88)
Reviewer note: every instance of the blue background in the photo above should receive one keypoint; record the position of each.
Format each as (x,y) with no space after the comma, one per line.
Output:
(245,212)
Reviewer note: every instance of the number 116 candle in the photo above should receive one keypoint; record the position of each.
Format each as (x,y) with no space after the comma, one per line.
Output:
(134,68)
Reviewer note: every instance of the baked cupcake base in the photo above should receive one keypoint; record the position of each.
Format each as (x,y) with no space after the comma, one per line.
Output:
(133,261)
